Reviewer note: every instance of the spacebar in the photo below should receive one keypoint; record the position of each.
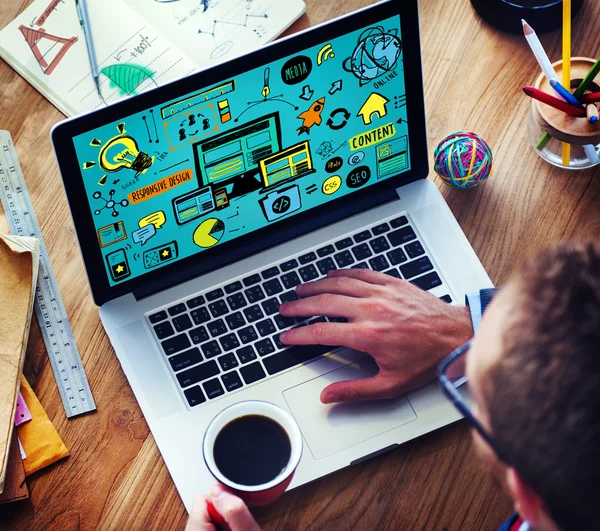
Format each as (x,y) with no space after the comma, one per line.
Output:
(293,356)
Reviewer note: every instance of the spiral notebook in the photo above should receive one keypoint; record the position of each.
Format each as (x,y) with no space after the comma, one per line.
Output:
(139,44)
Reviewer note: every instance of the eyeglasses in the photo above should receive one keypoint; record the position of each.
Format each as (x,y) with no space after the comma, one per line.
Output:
(453,379)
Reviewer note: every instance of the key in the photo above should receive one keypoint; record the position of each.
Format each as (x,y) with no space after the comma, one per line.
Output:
(308,273)
(163,330)
(289,265)
(380,229)
(176,344)
(393,273)
(344,259)
(229,342)
(176,310)
(294,356)
(288,297)
(247,335)
(265,327)
(326,251)
(236,301)
(254,313)
(379,263)
(362,251)
(273,287)
(227,362)
(214,295)
(182,323)
(379,245)
(271,306)
(231,381)
(399,222)
(157,317)
(246,354)
(291,280)
(344,244)
(255,294)
(251,280)
(199,335)
(216,328)
(252,373)
(306,258)
(427,282)
(265,347)
(200,316)
(270,273)
(397,256)
(235,320)
(194,396)
(326,265)
(185,359)
(362,236)
(400,236)
(195,302)
(416,267)
(218,308)
(198,374)
(361,265)
(283,322)
(213,388)
(446,298)
(414,249)
(232,288)
(211,349)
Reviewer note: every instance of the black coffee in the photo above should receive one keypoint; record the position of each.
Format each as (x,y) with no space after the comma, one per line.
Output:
(252,450)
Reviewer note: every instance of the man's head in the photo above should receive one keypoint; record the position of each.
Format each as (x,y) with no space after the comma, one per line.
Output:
(534,372)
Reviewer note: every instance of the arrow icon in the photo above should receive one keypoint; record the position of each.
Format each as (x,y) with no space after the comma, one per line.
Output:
(307,93)
(335,87)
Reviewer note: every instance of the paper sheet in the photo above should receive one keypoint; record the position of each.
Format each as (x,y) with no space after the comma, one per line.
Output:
(212,31)
(19,259)
(47,46)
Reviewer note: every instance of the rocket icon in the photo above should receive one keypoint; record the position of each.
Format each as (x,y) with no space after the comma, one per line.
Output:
(312,116)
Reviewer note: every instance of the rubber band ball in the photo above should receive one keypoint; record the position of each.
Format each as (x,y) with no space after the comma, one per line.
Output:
(463,160)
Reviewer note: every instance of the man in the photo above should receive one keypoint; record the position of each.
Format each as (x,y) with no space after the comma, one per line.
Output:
(533,374)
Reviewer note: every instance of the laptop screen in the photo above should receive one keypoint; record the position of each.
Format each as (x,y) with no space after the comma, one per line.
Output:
(242,155)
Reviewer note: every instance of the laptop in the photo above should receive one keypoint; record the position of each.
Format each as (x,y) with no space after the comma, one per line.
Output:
(201,205)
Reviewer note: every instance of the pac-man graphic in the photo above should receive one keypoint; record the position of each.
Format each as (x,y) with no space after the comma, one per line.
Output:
(209,233)
(312,116)
(325,54)
(375,104)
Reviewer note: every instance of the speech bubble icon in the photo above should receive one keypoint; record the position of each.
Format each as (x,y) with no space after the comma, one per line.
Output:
(144,234)
(158,219)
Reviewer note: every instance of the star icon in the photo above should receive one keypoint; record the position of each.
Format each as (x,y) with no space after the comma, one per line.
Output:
(119,269)
(166,253)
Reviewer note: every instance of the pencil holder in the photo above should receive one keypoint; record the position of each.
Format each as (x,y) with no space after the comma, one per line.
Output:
(549,128)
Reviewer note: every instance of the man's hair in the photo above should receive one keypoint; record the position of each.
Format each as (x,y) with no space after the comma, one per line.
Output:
(544,400)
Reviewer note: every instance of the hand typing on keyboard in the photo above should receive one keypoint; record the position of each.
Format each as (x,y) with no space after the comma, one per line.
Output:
(233,510)
(406,330)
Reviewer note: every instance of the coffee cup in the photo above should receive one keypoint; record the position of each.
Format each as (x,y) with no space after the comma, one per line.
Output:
(253,448)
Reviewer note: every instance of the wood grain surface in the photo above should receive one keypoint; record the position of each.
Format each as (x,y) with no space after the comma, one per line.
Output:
(115,477)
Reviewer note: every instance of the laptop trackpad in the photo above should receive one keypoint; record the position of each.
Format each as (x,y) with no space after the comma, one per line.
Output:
(328,429)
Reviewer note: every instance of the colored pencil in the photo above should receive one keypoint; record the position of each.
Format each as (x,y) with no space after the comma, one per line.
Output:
(538,51)
(587,80)
(592,113)
(564,93)
(591,153)
(590,98)
(546,98)
(566,69)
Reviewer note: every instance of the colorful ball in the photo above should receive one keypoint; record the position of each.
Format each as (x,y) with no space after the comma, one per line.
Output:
(463,160)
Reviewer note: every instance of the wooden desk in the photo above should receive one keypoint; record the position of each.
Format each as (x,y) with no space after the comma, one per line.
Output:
(115,476)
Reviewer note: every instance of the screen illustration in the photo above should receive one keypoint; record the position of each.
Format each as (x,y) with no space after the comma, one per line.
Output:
(241,155)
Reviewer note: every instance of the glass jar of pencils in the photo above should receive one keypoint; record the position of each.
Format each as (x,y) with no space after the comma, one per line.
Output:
(566,141)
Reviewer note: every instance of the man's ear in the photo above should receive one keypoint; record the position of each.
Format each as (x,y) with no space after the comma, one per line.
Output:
(527,503)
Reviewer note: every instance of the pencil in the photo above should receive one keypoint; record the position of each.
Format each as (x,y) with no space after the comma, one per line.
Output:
(538,51)
(590,98)
(546,98)
(566,68)
(592,113)
(587,80)
(564,93)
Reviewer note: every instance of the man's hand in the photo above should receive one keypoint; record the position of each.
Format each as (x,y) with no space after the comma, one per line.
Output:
(230,507)
(407,331)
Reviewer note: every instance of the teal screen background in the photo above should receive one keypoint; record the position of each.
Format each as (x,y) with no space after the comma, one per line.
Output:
(231,158)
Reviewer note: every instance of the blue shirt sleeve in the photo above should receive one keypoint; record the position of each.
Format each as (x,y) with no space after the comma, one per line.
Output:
(477,303)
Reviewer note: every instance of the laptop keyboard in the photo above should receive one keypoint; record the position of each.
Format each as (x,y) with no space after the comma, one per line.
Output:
(228,338)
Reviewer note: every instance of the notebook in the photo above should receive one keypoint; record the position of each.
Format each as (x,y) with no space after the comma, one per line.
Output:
(139,44)
(19,260)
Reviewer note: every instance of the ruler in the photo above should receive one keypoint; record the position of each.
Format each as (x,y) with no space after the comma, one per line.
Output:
(49,309)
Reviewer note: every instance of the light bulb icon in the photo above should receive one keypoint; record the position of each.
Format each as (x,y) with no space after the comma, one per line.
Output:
(123,152)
